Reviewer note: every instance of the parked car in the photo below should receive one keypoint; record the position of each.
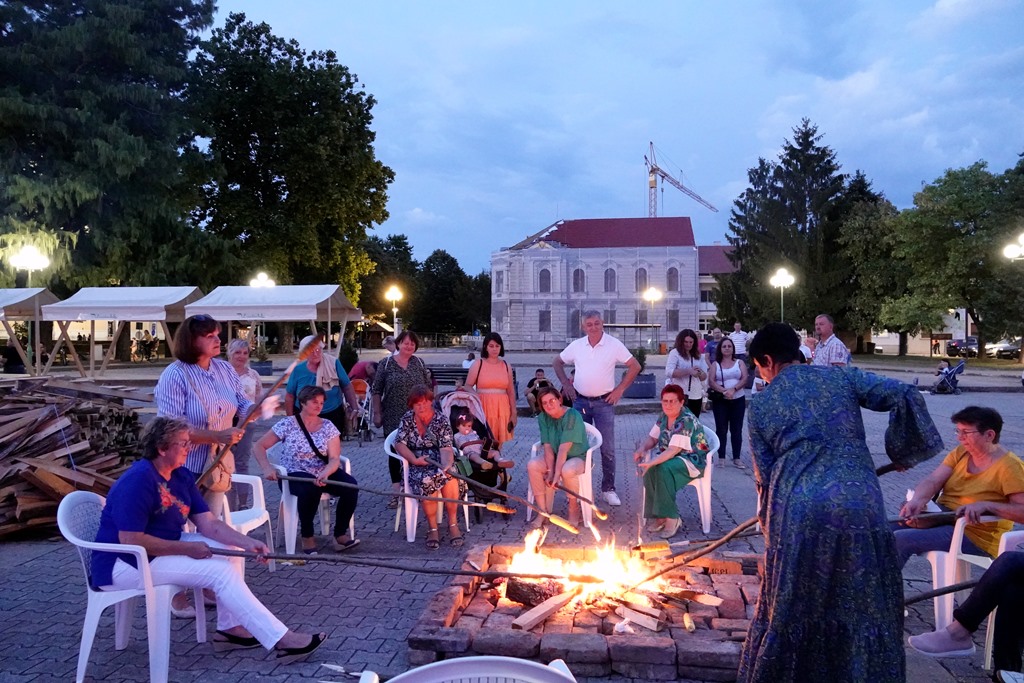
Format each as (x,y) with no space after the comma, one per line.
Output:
(962,347)
(1011,351)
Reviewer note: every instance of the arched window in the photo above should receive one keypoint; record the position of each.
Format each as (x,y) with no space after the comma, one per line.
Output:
(579,280)
(672,280)
(609,280)
(641,279)
(545,280)
(575,325)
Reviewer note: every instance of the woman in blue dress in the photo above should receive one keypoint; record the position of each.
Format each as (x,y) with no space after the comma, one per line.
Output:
(831,604)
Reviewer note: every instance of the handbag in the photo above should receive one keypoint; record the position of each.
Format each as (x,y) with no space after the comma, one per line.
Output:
(218,477)
(714,394)
(316,451)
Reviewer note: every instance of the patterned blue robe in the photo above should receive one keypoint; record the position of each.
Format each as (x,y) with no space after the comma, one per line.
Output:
(831,605)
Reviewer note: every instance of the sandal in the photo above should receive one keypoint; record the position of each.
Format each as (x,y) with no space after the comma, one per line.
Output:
(290,655)
(342,546)
(432,540)
(229,641)
(739,464)
(455,541)
(393,503)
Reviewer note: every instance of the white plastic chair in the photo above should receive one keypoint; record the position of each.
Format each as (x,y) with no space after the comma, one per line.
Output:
(594,441)
(1007,542)
(482,670)
(288,510)
(953,566)
(702,484)
(78,517)
(411,505)
(247,519)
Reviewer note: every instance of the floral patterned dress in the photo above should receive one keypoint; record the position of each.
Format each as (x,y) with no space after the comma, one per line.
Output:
(662,481)
(831,604)
(426,480)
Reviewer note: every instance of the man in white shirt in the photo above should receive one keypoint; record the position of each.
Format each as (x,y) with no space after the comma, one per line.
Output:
(740,339)
(593,390)
(830,352)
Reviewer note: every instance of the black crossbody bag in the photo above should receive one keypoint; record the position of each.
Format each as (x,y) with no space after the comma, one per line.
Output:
(310,440)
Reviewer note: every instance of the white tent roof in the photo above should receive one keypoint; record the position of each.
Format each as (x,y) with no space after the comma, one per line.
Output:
(283,302)
(124,303)
(20,304)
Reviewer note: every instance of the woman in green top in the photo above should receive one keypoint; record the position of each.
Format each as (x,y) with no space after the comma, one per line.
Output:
(682,454)
(564,441)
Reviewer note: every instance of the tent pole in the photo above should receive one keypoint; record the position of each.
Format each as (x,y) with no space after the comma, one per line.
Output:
(39,342)
(329,335)
(92,349)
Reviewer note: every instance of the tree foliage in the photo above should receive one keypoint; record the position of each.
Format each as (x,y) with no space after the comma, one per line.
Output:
(90,128)
(284,157)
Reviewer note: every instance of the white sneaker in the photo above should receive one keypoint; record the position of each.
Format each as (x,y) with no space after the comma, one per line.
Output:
(612,498)
(1009,677)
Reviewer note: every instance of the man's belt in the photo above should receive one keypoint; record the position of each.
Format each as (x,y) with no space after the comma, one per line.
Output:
(594,398)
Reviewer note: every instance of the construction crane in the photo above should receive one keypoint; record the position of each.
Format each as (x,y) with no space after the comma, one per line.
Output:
(653,173)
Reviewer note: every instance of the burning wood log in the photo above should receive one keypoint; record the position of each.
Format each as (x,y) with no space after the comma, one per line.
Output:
(528,620)
(531,592)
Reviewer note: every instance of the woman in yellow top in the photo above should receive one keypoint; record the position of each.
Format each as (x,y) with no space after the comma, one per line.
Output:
(978,477)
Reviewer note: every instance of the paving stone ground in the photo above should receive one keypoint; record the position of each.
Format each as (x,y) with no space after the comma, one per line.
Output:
(367,612)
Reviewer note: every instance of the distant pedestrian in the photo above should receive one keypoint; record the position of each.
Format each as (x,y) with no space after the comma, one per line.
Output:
(593,389)
(712,346)
(740,339)
(831,351)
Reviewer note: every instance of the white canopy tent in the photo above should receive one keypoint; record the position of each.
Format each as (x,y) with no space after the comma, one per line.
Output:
(24,304)
(283,303)
(123,304)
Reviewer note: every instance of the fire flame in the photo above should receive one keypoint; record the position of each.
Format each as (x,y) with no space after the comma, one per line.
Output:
(616,570)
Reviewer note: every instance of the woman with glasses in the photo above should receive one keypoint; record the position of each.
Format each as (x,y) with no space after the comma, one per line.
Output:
(978,477)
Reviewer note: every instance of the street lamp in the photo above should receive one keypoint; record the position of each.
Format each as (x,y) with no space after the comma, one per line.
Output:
(782,279)
(394,295)
(652,295)
(1015,252)
(29,258)
(261,280)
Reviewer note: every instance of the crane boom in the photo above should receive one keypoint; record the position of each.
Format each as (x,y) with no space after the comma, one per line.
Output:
(653,173)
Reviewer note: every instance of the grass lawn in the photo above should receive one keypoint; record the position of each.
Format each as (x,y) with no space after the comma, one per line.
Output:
(891,360)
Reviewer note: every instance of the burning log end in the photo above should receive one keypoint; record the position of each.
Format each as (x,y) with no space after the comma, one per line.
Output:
(584,578)
(654,547)
(688,623)
(600,514)
(503,509)
(559,521)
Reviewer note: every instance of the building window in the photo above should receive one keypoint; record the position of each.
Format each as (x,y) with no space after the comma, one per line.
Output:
(609,280)
(545,280)
(544,324)
(672,280)
(640,316)
(609,316)
(704,326)
(672,320)
(641,279)
(579,280)
(575,324)
(707,296)
(499,281)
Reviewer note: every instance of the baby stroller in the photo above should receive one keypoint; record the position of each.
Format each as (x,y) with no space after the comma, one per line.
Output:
(949,379)
(363,429)
(455,404)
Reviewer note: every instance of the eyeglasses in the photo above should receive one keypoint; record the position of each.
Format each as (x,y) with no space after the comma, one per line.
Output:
(182,444)
(965,432)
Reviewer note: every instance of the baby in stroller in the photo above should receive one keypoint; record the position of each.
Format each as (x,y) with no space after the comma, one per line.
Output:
(472,445)
(948,378)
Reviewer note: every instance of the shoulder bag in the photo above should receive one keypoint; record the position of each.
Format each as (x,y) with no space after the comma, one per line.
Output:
(219,479)
(714,394)
(316,451)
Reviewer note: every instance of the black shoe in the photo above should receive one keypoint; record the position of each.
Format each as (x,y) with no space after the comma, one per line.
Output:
(233,642)
(290,655)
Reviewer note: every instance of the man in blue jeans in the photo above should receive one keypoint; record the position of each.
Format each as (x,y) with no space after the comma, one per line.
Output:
(593,390)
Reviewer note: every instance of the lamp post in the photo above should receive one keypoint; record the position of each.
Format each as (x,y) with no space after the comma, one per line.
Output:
(1015,252)
(782,279)
(261,280)
(652,295)
(29,258)
(394,295)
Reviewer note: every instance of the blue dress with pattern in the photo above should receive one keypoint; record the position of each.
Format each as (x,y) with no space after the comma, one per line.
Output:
(831,604)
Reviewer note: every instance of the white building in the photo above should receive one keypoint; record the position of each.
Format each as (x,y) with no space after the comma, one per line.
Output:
(540,286)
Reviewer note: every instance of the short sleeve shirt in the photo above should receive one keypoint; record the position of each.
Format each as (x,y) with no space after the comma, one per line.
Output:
(830,352)
(302,376)
(996,484)
(595,365)
(142,500)
(567,429)
(296,453)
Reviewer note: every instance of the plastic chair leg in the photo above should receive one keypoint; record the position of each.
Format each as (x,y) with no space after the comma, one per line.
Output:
(412,509)
(124,613)
(158,621)
(92,622)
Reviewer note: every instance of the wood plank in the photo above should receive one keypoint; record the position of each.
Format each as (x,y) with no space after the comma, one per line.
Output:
(528,620)
(640,618)
(88,389)
(62,472)
(48,483)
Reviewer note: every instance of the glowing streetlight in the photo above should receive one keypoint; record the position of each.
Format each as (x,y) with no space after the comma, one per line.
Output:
(1015,252)
(394,295)
(261,280)
(782,279)
(652,295)
(29,258)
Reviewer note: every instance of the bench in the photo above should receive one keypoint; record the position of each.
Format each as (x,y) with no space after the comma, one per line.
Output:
(452,375)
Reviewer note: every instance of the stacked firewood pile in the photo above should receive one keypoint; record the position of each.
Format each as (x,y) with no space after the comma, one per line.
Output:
(56,438)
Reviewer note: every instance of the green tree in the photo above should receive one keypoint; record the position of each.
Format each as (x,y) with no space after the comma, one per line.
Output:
(789,217)
(284,156)
(441,281)
(474,301)
(393,265)
(90,129)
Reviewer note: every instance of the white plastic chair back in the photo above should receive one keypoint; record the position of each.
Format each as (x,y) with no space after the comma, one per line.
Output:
(701,484)
(253,517)
(482,670)
(594,441)
(288,509)
(78,518)
(953,566)
(412,505)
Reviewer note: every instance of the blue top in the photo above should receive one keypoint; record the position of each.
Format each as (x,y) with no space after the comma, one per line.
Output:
(142,500)
(302,376)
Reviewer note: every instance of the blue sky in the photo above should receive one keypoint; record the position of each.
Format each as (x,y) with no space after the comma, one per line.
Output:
(501,118)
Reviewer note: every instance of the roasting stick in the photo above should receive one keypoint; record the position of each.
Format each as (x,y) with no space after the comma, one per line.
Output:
(554,519)
(493,507)
(348,559)
(928,595)
(598,512)
(302,356)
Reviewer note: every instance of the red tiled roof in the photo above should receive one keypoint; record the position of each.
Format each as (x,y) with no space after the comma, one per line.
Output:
(587,233)
(713,260)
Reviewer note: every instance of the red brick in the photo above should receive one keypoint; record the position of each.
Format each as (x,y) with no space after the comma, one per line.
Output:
(644,671)
(479,607)
(601,669)
(751,593)
(703,611)
(728,591)
(440,610)
(506,643)
(645,649)
(558,623)
(708,652)
(585,619)
(446,640)
(582,648)
(730,624)
(707,674)
(421,657)
(499,621)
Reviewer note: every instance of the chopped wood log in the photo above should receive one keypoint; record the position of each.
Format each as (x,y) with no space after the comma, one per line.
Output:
(643,609)
(532,592)
(528,620)
(640,618)
(49,483)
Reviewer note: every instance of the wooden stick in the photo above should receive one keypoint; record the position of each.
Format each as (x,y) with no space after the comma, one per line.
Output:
(928,595)
(598,512)
(303,355)
(527,620)
(436,499)
(554,519)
